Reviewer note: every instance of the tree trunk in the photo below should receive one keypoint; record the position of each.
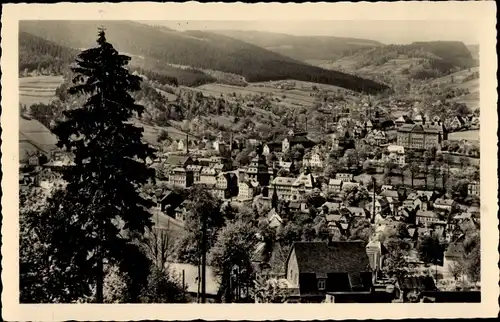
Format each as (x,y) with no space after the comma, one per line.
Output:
(100,281)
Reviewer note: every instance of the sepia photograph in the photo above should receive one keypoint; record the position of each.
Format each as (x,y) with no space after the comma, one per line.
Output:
(217,161)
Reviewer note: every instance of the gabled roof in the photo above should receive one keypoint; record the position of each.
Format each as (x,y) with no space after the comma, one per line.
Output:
(178,160)
(390,193)
(335,257)
(421,283)
(304,179)
(335,182)
(283,181)
(444,202)
(396,149)
(331,205)
(417,128)
(427,213)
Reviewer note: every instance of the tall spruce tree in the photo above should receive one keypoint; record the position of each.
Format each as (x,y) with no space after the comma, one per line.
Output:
(110,161)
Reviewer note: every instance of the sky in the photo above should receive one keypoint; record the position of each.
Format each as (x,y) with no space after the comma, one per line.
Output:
(385,31)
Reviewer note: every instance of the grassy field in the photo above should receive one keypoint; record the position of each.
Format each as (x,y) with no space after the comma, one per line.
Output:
(38,89)
(295,97)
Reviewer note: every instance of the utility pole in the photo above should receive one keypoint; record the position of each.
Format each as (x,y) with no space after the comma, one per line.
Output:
(203,257)
(373,209)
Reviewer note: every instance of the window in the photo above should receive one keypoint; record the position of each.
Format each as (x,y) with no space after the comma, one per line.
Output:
(321,284)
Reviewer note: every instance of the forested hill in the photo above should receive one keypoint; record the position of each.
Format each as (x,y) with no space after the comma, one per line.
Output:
(303,48)
(36,53)
(453,52)
(196,49)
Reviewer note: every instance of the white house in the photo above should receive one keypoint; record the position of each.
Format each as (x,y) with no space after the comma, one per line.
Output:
(345,177)
(396,154)
(335,185)
(274,219)
(427,217)
(313,160)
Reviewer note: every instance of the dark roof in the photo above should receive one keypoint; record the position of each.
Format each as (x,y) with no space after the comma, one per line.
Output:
(333,257)
(456,250)
(299,140)
(177,159)
(417,128)
(421,283)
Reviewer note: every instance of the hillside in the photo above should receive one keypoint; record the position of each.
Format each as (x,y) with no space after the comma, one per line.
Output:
(420,60)
(38,53)
(220,53)
(305,48)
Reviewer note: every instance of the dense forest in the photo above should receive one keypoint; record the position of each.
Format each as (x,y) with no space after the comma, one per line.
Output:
(36,53)
(219,52)
(301,47)
(453,52)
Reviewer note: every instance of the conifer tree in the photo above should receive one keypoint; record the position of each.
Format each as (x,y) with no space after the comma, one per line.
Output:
(109,158)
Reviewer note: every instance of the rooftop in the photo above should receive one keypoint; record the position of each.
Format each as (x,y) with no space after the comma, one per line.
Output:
(334,257)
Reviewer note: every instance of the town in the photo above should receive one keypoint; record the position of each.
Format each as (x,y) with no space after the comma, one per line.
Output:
(272,191)
(357,196)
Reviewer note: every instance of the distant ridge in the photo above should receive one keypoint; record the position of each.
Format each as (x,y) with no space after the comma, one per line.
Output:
(220,52)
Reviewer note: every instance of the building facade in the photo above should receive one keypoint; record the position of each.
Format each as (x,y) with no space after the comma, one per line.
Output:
(419,137)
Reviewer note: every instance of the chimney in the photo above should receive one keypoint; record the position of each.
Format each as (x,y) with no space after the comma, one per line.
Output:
(187,143)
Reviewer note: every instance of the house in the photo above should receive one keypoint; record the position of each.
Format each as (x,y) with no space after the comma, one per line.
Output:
(247,190)
(168,201)
(357,212)
(196,170)
(225,186)
(447,205)
(313,160)
(382,207)
(376,137)
(369,125)
(404,119)
(473,188)
(396,154)
(274,219)
(35,139)
(179,160)
(181,211)
(385,187)
(427,217)
(329,208)
(315,268)
(418,119)
(409,288)
(187,275)
(181,145)
(335,185)
(294,139)
(389,193)
(345,177)
(259,171)
(375,251)
(181,177)
(283,186)
(453,256)
(208,176)
(412,202)
(457,123)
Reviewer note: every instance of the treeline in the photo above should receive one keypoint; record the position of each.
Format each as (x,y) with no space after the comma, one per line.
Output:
(454,52)
(36,53)
(198,50)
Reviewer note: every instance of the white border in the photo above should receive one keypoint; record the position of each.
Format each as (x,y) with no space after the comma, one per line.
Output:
(481,15)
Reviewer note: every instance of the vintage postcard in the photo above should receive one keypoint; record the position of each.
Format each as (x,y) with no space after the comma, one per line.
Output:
(338,157)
